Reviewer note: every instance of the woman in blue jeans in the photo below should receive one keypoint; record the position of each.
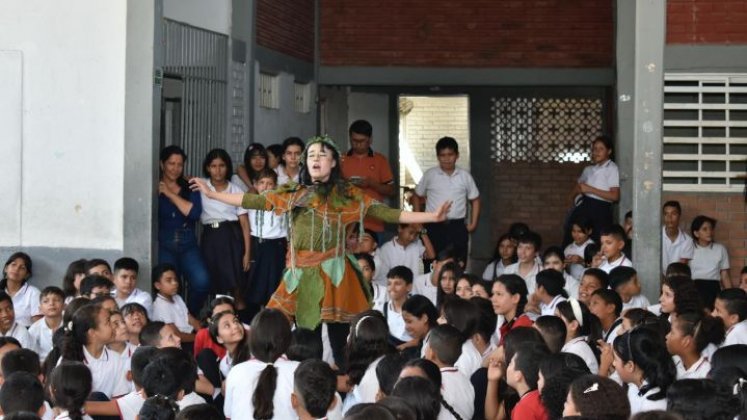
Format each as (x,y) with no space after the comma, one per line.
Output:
(178,210)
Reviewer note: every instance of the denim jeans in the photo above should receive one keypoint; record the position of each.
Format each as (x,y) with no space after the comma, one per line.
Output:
(179,247)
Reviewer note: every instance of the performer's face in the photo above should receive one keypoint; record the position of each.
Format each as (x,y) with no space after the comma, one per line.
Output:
(320,161)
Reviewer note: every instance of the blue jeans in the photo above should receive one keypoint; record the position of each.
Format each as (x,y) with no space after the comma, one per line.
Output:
(180,249)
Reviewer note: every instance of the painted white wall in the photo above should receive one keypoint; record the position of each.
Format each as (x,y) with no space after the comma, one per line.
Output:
(374,108)
(214,15)
(275,125)
(73,86)
(11,132)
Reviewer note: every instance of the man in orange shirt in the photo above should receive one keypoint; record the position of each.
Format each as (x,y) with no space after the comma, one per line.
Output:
(366,168)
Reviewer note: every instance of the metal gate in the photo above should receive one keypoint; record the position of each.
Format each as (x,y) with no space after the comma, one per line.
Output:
(197,60)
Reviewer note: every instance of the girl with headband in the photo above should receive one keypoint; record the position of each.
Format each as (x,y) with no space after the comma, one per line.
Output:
(583,329)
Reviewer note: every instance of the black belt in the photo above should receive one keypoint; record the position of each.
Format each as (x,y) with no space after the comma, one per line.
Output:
(216,225)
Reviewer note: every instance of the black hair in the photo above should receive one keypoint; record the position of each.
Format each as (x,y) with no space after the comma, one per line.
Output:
(165,154)
(600,398)
(517,230)
(487,319)
(70,384)
(140,359)
(158,272)
(589,326)
(425,398)
(83,320)
(702,399)
(497,255)
(207,312)
(433,373)
(276,149)
(5,297)
(22,415)
(446,343)
(4,341)
(531,238)
(583,222)
(369,259)
(463,315)
(150,335)
(400,272)
(159,407)
(75,268)
(735,302)
(553,251)
(400,407)
(367,411)
(184,365)
(704,329)
(93,263)
(254,149)
(200,412)
(605,140)
(674,204)
(305,344)
(361,127)
(21,360)
(270,338)
(644,318)
(26,261)
(447,143)
(388,370)
(555,391)
(58,337)
(553,331)
(93,281)
(515,285)
(419,305)
(556,363)
(126,263)
(449,266)
(222,155)
(293,141)
(616,231)
(744,270)
(610,297)
(21,391)
(527,359)
(552,281)
(104,298)
(601,276)
(315,385)
(621,275)
(368,340)
(335,180)
(241,353)
(686,295)
(645,347)
(52,290)
(161,377)
(729,367)
(131,307)
(698,222)
(678,269)
(590,252)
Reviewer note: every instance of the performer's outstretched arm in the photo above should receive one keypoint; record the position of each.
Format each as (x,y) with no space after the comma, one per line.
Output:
(228,198)
(424,217)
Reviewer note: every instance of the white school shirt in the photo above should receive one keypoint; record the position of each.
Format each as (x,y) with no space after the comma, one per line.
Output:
(396,323)
(571,285)
(106,371)
(699,369)
(283,177)
(640,403)
(266,224)
(137,296)
(366,390)
(41,337)
(65,415)
(708,261)
(239,183)
(530,279)
(438,187)
(380,296)
(129,405)
(216,211)
(189,400)
(470,360)
(21,334)
(125,364)
(737,334)
(576,270)
(673,251)
(493,270)
(172,312)
(607,266)
(392,254)
(422,285)
(637,301)
(613,335)
(242,381)
(458,392)
(549,308)
(581,348)
(603,176)
(26,304)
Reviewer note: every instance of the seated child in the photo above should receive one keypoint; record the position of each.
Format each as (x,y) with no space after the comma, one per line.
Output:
(122,349)
(15,282)
(125,283)
(314,390)
(191,380)
(94,285)
(549,292)
(583,331)
(444,349)
(387,373)
(399,286)
(612,243)
(135,318)
(41,331)
(160,335)
(73,277)
(731,307)
(553,331)
(593,279)
(8,325)
(527,267)
(464,316)
(607,306)
(129,405)
(553,259)
(624,281)
(168,306)
(408,248)
(581,229)
(378,291)
(522,374)
(99,267)
(691,333)
(23,392)
(69,387)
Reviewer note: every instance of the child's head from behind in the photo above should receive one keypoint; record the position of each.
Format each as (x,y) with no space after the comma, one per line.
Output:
(69,385)
(523,369)
(423,395)
(592,396)
(553,331)
(140,359)
(592,279)
(462,314)
(624,280)
(612,242)
(165,280)
(703,399)
(367,265)
(581,229)
(509,295)
(445,345)
(125,275)
(271,335)
(408,233)
(399,283)
(21,392)
(387,373)
(528,247)
(731,306)
(158,407)
(162,376)
(314,387)
(420,315)
(305,344)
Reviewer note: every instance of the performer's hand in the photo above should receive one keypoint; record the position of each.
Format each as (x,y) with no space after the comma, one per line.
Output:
(442,211)
(199,184)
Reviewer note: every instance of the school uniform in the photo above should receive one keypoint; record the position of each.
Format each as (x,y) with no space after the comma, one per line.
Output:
(392,254)
(530,279)
(189,400)
(379,296)
(41,337)
(458,187)
(424,344)
(242,381)
(26,304)
(673,251)
(65,415)
(614,331)
(571,285)
(581,348)
(125,363)
(576,270)
(470,360)
(640,403)
(422,285)
(699,369)
(503,326)
(493,270)
(604,176)
(137,296)
(458,392)
(283,177)
(129,405)
(106,371)
(737,334)
(549,308)
(637,301)
(621,261)
(21,334)
(172,311)
(269,246)
(706,266)
(530,407)
(396,323)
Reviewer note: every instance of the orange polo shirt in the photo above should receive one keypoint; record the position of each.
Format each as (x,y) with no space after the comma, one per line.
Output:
(373,166)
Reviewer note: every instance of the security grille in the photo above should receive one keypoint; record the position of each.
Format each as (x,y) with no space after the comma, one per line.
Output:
(525,129)
(705,132)
(200,59)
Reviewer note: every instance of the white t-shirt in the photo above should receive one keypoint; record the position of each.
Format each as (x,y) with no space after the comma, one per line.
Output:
(129,405)
(698,370)
(137,296)
(172,312)
(366,390)
(125,359)
(65,415)
(267,225)
(41,337)
(189,400)
(571,285)
(283,177)
(622,261)
(549,308)
(737,334)
(422,285)
(380,296)
(21,334)
(603,176)
(242,382)
(396,323)
(217,211)
(637,301)
(438,187)
(26,304)
(392,254)
(470,360)
(106,371)
(576,270)
(708,261)
(458,392)
(238,182)
(581,348)
(493,270)
(673,251)
(640,403)
(530,279)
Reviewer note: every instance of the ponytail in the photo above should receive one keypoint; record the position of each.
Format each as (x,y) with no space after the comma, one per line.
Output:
(264,393)
(76,332)
(704,329)
(450,409)
(270,338)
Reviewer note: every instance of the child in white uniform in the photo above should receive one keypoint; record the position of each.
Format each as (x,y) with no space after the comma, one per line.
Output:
(41,331)
(168,306)
(16,273)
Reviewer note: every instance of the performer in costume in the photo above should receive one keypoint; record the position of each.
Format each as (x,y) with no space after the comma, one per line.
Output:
(321,282)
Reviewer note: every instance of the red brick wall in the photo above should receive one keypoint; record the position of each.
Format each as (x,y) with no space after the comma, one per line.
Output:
(731,214)
(287,26)
(533,193)
(453,33)
(707,22)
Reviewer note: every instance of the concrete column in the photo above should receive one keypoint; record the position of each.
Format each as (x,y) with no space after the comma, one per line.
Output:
(648,98)
(624,85)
